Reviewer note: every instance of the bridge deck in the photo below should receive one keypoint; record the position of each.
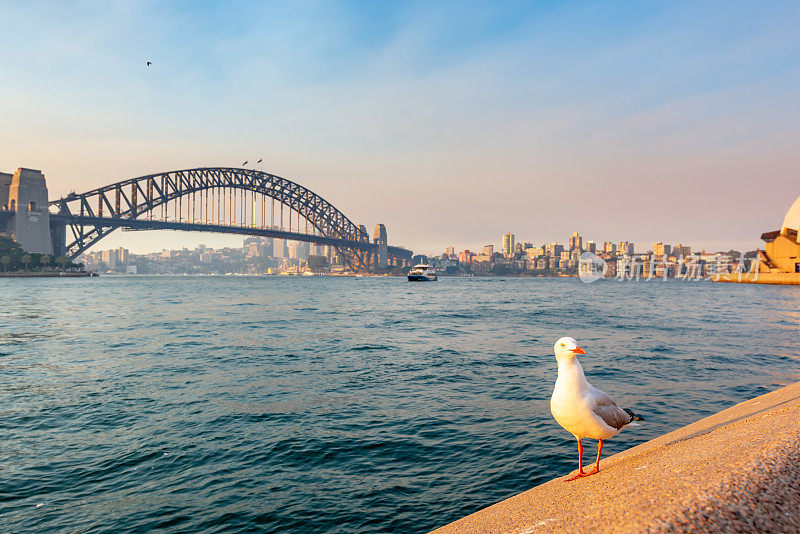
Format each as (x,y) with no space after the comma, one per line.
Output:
(157,224)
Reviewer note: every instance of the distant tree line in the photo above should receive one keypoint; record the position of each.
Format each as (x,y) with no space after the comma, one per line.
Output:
(13,258)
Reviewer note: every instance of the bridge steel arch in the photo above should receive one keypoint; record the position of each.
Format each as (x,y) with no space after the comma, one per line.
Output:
(92,215)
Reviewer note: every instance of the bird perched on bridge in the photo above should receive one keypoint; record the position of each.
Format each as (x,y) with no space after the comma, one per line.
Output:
(582,409)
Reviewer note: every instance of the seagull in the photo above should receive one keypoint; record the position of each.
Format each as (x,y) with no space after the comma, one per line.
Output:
(259,160)
(149,63)
(582,409)
(243,164)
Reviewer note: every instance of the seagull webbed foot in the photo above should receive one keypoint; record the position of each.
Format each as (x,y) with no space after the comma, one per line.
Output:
(575,477)
(582,474)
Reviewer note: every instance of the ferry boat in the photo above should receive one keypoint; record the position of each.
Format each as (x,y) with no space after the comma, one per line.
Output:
(422,273)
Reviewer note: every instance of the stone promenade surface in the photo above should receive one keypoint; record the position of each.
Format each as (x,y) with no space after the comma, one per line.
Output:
(736,471)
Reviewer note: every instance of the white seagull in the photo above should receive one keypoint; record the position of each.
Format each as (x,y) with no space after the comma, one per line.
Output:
(582,409)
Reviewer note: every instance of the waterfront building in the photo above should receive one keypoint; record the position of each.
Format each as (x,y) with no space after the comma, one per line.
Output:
(782,251)
(625,247)
(450,251)
(591,246)
(488,250)
(508,243)
(465,256)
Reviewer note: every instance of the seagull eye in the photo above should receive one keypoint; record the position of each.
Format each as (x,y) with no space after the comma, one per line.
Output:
(563,345)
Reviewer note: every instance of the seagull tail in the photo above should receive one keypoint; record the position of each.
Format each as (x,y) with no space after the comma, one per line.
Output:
(633,417)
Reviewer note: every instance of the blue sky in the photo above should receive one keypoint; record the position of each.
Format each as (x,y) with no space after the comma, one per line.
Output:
(450,122)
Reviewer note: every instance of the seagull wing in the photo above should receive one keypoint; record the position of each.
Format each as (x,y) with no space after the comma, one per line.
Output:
(606,409)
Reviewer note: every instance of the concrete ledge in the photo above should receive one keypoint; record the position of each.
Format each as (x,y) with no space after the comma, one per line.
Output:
(736,471)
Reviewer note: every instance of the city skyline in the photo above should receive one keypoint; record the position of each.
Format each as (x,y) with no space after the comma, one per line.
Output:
(447,125)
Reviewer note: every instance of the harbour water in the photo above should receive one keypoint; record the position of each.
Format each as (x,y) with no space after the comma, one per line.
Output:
(310,404)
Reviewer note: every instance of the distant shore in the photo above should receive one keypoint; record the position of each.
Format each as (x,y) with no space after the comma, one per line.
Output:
(44,274)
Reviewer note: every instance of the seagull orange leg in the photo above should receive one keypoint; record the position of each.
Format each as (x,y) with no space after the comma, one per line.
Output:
(597,463)
(580,462)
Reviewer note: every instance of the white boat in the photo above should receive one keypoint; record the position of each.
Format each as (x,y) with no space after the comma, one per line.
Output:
(422,273)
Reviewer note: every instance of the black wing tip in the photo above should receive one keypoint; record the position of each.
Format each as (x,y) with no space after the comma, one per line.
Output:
(634,417)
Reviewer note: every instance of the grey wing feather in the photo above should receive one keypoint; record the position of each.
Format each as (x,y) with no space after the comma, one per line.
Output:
(605,407)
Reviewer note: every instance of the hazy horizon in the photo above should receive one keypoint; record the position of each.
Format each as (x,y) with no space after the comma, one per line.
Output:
(450,123)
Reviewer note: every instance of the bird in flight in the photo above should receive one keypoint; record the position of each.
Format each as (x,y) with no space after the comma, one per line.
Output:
(259,160)
(582,409)
(149,63)
(243,164)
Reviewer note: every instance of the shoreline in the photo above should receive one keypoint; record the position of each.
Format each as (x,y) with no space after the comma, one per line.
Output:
(737,470)
(34,274)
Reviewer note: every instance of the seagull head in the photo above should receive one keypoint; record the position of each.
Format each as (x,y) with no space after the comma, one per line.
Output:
(567,348)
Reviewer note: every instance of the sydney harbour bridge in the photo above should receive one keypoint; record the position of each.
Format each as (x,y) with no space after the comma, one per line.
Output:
(221,200)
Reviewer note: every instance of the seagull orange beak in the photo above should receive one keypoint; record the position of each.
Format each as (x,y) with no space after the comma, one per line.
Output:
(578,350)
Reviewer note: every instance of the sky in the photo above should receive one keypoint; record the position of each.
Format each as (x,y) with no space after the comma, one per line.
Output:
(450,122)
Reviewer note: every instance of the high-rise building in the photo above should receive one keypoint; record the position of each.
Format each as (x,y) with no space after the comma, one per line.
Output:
(534,252)
(298,250)
(268,247)
(465,256)
(625,247)
(660,249)
(681,250)
(279,248)
(488,250)
(508,243)
(575,241)
(591,246)
(609,248)
(110,258)
(450,251)
(553,249)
